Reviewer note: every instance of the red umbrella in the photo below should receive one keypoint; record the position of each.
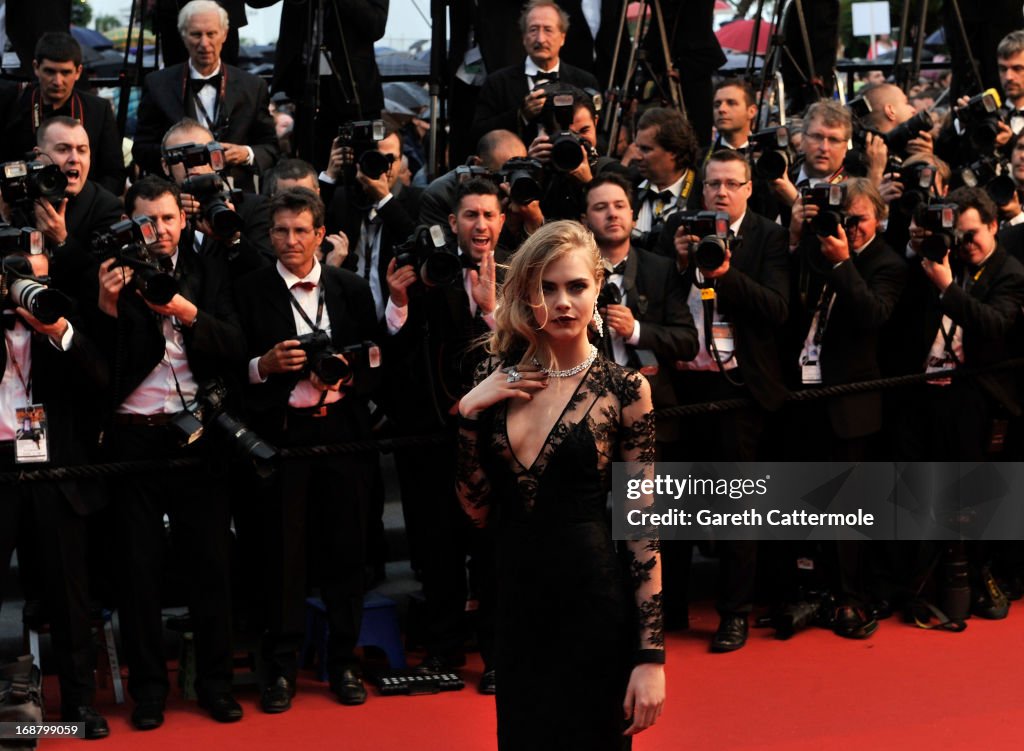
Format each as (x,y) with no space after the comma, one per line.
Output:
(738,35)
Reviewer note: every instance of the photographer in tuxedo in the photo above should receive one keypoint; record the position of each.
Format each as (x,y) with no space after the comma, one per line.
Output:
(310,375)
(47,372)
(166,356)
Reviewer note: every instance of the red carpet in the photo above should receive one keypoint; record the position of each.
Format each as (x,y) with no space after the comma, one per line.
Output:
(902,689)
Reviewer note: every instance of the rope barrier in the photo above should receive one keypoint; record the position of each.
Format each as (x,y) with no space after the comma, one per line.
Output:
(389,445)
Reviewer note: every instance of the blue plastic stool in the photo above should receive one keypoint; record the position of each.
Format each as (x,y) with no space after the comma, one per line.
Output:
(379,629)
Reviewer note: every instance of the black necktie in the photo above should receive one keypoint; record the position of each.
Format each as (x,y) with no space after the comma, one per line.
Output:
(197,84)
(166,264)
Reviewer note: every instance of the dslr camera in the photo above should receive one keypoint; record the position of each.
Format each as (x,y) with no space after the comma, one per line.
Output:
(979,119)
(207,411)
(556,118)
(213,194)
(712,227)
(992,173)
(19,286)
(362,137)
(940,220)
(829,199)
(917,180)
(433,254)
(321,360)
(523,176)
(23,183)
(197,155)
(772,147)
(129,242)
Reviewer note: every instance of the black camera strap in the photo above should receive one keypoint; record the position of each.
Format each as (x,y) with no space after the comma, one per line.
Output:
(315,326)
(218,107)
(708,297)
(824,311)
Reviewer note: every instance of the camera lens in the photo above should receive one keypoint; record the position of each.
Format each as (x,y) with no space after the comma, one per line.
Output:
(48,305)
(225,222)
(374,164)
(772,165)
(523,189)
(441,268)
(566,153)
(156,286)
(710,253)
(330,369)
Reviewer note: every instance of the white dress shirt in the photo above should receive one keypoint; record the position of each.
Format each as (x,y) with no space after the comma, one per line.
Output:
(645,217)
(207,97)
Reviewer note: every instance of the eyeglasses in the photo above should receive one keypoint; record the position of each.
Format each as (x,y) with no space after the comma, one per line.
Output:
(817,139)
(730,185)
(283,233)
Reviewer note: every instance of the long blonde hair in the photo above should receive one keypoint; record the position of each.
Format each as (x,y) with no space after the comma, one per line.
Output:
(517,320)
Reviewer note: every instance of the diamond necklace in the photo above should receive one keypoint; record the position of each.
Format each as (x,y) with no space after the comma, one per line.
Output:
(569,372)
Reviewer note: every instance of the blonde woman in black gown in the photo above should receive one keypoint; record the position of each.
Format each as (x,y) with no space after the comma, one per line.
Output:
(580,650)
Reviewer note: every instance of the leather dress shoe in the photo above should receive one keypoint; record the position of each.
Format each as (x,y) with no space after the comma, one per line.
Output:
(95,726)
(731,634)
(851,623)
(488,683)
(222,707)
(148,715)
(277,697)
(349,688)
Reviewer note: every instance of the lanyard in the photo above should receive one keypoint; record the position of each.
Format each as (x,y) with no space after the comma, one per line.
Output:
(218,110)
(37,109)
(824,312)
(319,308)
(26,383)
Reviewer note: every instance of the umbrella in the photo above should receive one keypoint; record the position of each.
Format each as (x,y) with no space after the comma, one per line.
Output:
(90,38)
(412,96)
(394,63)
(119,37)
(937,38)
(738,35)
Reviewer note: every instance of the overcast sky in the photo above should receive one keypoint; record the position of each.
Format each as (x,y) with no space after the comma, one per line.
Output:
(405,24)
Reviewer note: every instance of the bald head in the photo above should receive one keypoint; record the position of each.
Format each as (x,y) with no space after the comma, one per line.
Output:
(498,146)
(889,106)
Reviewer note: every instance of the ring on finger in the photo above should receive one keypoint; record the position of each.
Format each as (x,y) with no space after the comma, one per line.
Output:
(514,375)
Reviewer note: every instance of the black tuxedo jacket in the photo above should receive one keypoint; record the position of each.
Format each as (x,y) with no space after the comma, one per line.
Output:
(243,118)
(495,26)
(398,220)
(754,296)
(135,342)
(265,312)
(867,288)
(989,314)
(107,167)
(64,382)
(503,92)
(588,52)
(657,300)
(73,266)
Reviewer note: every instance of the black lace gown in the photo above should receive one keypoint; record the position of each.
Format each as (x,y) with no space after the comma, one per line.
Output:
(574,612)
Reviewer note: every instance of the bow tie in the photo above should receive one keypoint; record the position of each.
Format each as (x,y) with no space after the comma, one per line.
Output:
(619,268)
(542,77)
(665,196)
(197,84)
(307,286)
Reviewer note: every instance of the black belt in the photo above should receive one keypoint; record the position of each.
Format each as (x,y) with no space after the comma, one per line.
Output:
(148,421)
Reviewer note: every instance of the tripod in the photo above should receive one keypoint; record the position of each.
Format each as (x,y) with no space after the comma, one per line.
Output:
(777,48)
(126,80)
(319,61)
(620,98)
(905,76)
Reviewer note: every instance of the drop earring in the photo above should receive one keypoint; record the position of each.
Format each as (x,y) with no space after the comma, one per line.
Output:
(598,322)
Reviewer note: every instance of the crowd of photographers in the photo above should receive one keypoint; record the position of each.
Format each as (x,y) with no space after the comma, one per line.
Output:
(190,317)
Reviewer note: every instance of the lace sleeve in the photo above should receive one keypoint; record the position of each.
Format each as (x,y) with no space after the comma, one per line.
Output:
(643,552)
(471,484)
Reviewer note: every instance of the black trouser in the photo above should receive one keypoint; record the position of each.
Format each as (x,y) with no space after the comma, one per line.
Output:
(732,435)
(314,511)
(197,505)
(442,537)
(63,541)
